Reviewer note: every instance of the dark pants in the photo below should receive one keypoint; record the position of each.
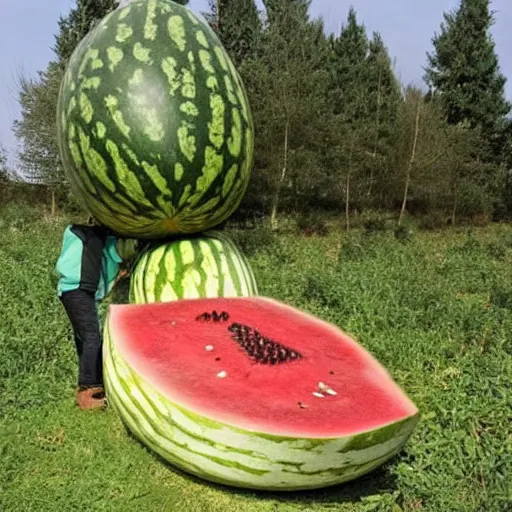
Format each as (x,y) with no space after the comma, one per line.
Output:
(82,311)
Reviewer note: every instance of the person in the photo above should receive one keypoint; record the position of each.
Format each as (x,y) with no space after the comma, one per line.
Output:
(91,261)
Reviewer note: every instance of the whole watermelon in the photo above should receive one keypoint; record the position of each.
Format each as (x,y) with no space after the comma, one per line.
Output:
(155,129)
(202,266)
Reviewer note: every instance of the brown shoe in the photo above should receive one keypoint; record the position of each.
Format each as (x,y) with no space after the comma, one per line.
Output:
(90,398)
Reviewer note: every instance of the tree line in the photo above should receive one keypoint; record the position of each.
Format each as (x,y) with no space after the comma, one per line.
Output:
(336,131)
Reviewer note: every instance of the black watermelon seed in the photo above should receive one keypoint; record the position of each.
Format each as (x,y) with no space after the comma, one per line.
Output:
(259,348)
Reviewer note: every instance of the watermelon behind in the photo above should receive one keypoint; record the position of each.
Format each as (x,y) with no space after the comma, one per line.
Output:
(252,393)
(208,265)
(154,125)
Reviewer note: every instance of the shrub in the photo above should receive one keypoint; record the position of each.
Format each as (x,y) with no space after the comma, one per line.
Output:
(19,215)
(254,240)
(312,224)
(432,221)
(375,225)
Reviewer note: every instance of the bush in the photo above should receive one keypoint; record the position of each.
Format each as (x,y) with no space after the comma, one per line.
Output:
(475,204)
(432,221)
(19,215)
(403,234)
(351,249)
(312,223)
(497,251)
(252,241)
(319,288)
(375,225)
(501,296)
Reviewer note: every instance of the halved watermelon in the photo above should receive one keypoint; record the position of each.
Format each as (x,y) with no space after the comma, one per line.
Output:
(252,393)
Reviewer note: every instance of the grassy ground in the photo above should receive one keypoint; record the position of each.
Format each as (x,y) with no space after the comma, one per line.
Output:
(437,311)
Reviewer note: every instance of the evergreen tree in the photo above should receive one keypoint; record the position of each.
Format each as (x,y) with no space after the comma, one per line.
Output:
(238,25)
(350,51)
(79,21)
(383,99)
(350,109)
(288,89)
(276,9)
(463,71)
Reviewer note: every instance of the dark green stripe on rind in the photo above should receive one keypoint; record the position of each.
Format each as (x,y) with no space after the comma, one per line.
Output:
(279,474)
(163,266)
(197,265)
(133,413)
(115,72)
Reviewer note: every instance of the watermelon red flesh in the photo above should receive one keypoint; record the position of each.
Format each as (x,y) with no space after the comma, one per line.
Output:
(172,352)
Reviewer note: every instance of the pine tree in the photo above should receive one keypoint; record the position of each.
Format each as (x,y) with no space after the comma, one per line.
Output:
(238,25)
(463,71)
(288,94)
(277,8)
(79,21)
(383,98)
(350,108)
(350,51)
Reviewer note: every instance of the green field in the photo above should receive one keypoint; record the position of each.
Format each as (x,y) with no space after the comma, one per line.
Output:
(436,310)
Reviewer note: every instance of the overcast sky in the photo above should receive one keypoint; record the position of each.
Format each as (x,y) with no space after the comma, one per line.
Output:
(27,28)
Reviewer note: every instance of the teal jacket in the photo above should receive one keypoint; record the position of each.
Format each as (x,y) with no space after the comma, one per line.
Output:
(88,261)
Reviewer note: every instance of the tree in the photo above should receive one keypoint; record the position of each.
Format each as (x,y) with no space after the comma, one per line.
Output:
(350,104)
(5,174)
(288,89)
(238,25)
(80,21)
(463,71)
(37,127)
(470,193)
(421,144)
(383,99)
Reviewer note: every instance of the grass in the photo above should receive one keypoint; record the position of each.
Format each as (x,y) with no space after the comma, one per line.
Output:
(436,310)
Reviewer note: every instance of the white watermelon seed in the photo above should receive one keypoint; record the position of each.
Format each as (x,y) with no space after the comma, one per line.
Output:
(208,348)
(222,374)
(318,395)
(326,389)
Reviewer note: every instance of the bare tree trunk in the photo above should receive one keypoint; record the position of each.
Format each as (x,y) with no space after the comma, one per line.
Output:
(275,203)
(411,162)
(217,12)
(377,126)
(54,203)
(454,208)
(347,183)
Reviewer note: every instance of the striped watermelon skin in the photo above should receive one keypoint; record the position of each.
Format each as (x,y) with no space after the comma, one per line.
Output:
(232,456)
(205,266)
(154,125)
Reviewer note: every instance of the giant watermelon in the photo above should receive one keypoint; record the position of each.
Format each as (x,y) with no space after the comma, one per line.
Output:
(154,125)
(252,393)
(203,266)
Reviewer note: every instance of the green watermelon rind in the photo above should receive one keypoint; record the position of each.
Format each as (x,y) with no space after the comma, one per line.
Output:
(158,277)
(229,455)
(144,165)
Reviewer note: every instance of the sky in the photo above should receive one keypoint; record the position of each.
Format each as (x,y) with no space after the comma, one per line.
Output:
(27,29)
